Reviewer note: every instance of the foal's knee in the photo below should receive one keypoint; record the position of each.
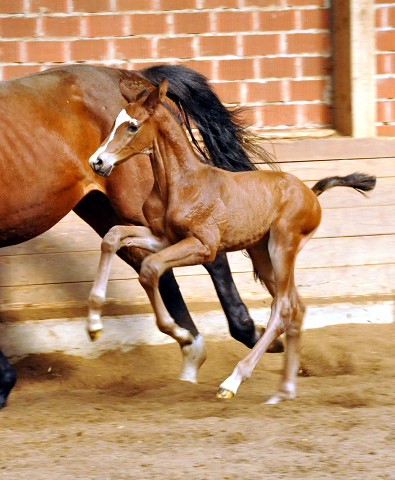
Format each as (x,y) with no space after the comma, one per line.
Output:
(150,273)
(110,241)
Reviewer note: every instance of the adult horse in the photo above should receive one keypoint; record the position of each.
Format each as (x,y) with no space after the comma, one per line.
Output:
(51,123)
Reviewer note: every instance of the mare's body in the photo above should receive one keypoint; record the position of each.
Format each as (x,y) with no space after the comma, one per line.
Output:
(196,211)
(50,124)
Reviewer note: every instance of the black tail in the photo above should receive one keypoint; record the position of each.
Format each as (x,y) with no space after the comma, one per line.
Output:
(228,144)
(359,181)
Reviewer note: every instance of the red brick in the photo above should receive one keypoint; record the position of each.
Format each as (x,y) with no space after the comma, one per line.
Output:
(148,24)
(391,16)
(177,47)
(166,5)
(221,3)
(242,69)
(61,26)
(91,6)
(44,52)
(202,66)
(261,44)
(315,19)
(307,90)
(129,48)
(385,111)
(49,6)
(262,3)
(16,27)
(308,43)
(316,114)
(126,5)
(278,67)
(386,130)
(278,115)
(104,25)
(316,66)
(217,46)
(385,88)
(228,92)
(228,22)
(9,52)
(267,92)
(82,50)
(385,63)
(197,22)
(247,116)
(12,6)
(306,3)
(385,41)
(276,20)
(14,71)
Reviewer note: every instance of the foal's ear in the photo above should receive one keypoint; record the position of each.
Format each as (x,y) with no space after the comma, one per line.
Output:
(128,90)
(156,97)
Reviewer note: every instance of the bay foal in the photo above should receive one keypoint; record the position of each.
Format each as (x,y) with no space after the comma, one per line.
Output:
(196,211)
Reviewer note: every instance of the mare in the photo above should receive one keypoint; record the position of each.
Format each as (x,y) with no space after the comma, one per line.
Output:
(52,122)
(196,211)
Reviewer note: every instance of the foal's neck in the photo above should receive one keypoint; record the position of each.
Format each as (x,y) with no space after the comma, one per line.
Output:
(173,159)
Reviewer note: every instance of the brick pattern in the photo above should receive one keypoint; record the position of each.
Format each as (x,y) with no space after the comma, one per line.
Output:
(270,55)
(385,44)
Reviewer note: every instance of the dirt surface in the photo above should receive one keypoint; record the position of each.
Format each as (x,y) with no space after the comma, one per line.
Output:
(126,416)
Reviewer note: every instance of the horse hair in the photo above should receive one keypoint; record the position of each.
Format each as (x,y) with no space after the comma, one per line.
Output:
(228,143)
(359,181)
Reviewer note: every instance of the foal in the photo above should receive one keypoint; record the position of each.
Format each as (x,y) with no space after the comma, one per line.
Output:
(196,211)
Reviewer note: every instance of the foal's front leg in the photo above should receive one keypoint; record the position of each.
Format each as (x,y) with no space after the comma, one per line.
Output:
(189,251)
(116,238)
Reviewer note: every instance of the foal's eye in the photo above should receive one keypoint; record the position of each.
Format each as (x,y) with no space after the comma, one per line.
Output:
(132,128)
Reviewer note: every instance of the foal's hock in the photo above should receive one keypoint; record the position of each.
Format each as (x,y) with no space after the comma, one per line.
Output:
(196,211)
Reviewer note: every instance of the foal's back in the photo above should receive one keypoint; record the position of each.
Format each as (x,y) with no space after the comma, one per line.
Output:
(254,201)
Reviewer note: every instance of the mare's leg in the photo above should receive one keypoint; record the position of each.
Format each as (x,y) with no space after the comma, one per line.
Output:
(241,326)
(274,261)
(7,379)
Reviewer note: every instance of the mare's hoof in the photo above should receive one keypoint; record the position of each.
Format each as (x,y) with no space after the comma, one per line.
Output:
(224,394)
(95,335)
(276,346)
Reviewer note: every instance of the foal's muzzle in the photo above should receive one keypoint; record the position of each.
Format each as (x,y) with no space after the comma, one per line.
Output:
(99,166)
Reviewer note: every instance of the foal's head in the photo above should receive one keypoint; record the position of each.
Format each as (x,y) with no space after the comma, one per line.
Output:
(133,131)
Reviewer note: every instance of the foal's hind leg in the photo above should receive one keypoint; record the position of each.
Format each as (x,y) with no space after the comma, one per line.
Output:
(241,326)
(275,265)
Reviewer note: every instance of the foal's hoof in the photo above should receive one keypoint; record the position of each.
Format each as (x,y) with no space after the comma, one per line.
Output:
(276,346)
(95,335)
(224,394)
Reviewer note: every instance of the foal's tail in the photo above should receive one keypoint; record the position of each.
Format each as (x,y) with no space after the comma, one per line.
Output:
(228,143)
(359,181)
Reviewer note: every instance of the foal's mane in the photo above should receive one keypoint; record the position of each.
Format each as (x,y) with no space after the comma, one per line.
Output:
(228,144)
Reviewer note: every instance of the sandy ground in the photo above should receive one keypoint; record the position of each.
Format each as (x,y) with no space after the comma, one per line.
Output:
(126,416)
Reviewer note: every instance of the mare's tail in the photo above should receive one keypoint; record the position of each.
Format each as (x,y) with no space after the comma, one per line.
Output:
(359,181)
(228,144)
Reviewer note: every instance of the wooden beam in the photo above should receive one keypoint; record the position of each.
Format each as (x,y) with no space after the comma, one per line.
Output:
(354,67)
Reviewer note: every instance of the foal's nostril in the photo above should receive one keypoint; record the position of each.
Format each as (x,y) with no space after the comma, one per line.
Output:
(99,162)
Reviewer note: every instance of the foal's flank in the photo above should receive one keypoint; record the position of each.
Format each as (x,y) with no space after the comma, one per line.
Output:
(196,211)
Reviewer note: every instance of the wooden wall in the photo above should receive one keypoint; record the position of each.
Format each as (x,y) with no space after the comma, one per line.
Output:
(351,258)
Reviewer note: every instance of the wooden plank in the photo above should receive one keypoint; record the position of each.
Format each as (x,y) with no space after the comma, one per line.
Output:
(317,285)
(334,148)
(81,266)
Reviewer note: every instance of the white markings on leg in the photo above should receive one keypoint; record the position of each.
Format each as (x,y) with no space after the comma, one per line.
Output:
(194,356)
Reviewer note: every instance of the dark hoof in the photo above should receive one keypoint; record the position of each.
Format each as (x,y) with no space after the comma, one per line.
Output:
(7,381)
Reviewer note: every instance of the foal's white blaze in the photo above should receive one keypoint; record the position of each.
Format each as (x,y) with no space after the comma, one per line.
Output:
(121,118)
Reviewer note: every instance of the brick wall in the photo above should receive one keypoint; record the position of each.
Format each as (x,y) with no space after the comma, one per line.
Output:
(385,44)
(272,55)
